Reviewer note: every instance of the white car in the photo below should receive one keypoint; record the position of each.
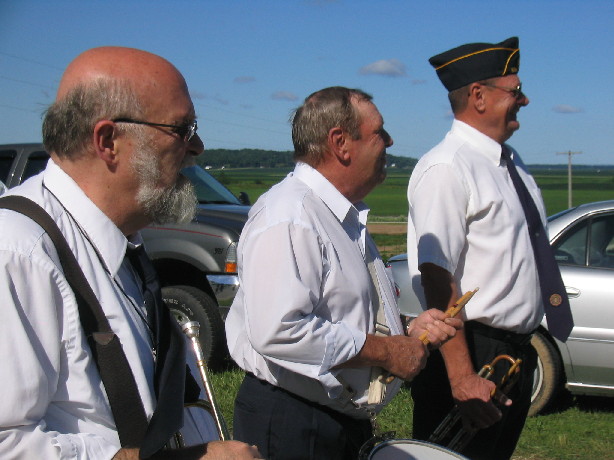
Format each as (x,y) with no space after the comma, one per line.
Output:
(583,241)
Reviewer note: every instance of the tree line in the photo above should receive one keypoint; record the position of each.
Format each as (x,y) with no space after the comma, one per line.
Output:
(255,158)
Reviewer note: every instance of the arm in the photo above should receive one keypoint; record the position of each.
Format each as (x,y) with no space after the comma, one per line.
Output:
(405,356)
(471,392)
(34,339)
(296,309)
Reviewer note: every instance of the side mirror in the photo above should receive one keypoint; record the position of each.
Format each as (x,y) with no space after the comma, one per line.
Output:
(244,199)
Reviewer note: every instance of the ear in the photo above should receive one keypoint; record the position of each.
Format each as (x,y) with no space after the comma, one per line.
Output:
(338,144)
(104,138)
(477,97)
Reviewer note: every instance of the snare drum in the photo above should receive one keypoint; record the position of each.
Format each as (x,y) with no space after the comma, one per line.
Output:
(410,449)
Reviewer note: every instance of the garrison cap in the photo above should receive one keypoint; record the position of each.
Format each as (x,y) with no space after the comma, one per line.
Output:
(476,61)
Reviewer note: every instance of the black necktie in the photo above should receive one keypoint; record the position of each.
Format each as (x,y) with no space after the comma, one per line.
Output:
(170,367)
(554,296)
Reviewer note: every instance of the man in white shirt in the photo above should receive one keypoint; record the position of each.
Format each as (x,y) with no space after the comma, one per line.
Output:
(121,129)
(313,287)
(468,229)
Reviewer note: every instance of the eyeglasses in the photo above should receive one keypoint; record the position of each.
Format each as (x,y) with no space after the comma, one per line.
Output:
(515,92)
(186,132)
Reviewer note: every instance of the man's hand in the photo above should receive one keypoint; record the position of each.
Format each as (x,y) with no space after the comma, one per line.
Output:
(400,355)
(230,450)
(437,326)
(215,450)
(406,356)
(472,395)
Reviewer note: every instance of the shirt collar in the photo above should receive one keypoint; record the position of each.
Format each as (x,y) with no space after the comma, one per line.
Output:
(107,239)
(485,145)
(339,205)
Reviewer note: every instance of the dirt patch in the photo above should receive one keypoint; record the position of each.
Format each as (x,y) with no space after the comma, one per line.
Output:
(387,229)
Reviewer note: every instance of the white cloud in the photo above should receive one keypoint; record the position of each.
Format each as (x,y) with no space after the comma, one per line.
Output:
(387,67)
(284,96)
(564,108)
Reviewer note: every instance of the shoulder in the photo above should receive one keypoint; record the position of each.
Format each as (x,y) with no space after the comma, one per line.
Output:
(23,236)
(284,202)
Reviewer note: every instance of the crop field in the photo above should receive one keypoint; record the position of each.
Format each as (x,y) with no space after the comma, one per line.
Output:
(388,202)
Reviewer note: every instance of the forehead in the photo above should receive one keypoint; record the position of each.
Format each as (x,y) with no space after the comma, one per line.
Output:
(369,114)
(508,80)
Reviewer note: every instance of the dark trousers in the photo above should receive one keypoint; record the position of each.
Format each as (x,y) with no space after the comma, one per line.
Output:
(433,398)
(286,426)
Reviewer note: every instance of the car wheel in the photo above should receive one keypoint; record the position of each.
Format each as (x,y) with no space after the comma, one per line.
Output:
(548,375)
(188,303)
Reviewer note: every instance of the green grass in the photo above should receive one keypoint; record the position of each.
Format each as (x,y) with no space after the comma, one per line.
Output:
(581,429)
(389,200)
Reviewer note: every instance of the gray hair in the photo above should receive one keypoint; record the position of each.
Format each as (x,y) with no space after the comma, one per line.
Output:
(323,110)
(69,122)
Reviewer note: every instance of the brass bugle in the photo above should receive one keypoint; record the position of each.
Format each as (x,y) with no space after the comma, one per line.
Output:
(462,436)
(451,312)
(191,329)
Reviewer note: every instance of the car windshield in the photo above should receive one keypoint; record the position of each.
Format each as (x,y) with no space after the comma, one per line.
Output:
(208,189)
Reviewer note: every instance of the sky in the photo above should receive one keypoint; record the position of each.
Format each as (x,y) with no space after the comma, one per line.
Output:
(249,63)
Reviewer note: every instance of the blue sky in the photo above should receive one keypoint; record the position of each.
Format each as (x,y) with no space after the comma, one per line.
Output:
(248,63)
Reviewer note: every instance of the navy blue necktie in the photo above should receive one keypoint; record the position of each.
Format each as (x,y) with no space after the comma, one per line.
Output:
(170,367)
(554,295)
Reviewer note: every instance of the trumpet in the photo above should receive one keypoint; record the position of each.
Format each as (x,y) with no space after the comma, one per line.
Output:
(191,330)
(462,436)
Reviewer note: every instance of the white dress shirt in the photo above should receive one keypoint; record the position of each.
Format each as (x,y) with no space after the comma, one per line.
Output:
(53,404)
(465,216)
(305,303)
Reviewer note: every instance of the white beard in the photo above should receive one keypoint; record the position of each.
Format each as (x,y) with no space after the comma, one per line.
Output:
(175,204)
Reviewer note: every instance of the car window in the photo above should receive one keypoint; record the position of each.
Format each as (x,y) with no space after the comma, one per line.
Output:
(570,249)
(6,161)
(208,189)
(37,161)
(588,243)
(601,243)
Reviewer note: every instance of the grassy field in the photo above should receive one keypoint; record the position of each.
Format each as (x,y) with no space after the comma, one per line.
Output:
(388,202)
(577,429)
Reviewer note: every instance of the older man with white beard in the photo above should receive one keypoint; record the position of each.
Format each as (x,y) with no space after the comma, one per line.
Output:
(120,131)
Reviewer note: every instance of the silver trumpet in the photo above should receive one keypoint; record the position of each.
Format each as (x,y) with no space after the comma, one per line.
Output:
(191,329)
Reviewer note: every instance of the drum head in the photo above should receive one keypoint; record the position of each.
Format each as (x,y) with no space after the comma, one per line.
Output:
(410,449)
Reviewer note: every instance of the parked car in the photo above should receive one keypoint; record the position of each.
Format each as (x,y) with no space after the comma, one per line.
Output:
(583,241)
(196,262)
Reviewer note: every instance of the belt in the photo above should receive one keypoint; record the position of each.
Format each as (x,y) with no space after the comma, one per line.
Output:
(502,335)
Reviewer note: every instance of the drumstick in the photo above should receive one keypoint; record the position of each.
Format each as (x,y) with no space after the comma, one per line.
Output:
(450,313)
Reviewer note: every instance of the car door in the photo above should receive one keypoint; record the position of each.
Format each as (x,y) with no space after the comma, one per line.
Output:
(585,253)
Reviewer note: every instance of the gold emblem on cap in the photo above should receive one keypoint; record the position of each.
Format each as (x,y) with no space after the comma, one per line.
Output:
(556,300)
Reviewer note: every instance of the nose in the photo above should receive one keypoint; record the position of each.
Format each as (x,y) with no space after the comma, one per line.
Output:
(195,145)
(388,139)
(524,100)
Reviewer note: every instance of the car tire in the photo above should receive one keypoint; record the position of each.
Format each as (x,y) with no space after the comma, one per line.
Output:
(548,375)
(188,303)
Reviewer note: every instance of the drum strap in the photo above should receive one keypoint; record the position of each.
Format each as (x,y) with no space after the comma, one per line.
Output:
(377,388)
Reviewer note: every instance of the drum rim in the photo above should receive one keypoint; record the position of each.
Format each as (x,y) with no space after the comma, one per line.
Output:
(390,442)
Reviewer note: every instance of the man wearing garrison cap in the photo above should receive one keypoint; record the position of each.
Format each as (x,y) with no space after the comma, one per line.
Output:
(467,229)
